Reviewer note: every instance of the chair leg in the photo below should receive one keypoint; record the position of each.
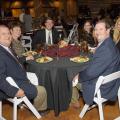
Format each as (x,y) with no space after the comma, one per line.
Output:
(14,111)
(118,118)
(119,97)
(101,112)
(1,118)
(100,106)
(0,108)
(93,106)
(84,110)
(31,107)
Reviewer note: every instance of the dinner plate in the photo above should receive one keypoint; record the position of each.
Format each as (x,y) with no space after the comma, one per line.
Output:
(44,59)
(29,53)
(79,59)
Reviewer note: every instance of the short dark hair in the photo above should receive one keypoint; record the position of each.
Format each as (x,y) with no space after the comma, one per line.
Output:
(27,11)
(4,25)
(13,24)
(106,22)
(89,21)
(47,18)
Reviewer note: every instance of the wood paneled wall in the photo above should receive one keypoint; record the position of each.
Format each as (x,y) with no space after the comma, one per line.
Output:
(38,7)
(70,7)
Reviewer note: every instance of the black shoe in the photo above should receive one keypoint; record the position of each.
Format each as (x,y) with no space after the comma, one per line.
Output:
(43,112)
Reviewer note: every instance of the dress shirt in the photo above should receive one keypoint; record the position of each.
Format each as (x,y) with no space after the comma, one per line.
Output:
(93,51)
(99,43)
(8,49)
(48,34)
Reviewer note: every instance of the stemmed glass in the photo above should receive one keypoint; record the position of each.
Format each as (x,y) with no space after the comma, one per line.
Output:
(45,47)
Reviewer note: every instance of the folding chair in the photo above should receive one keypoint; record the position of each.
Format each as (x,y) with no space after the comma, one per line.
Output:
(97,95)
(118,118)
(16,101)
(33,78)
(26,42)
(73,35)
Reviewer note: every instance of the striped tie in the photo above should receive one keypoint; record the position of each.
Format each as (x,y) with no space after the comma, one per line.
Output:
(49,39)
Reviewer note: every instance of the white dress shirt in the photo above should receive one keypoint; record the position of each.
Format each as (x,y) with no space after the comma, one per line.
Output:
(7,48)
(48,33)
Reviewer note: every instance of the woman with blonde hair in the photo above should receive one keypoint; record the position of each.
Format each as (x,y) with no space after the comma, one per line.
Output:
(116,33)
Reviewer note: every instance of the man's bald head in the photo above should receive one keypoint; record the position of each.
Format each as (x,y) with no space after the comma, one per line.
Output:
(5,36)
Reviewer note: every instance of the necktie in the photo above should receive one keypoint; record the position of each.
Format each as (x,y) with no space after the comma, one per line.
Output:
(49,39)
(14,56)
(12,53)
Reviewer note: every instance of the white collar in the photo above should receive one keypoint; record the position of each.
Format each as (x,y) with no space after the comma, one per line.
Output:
(100,43)
(7,48)
(48,30)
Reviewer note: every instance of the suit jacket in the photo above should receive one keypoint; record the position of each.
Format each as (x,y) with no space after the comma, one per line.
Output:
(40,37)
(9,66)
(106,60)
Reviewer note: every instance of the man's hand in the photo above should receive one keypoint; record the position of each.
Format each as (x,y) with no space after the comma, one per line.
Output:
(75,80)
(62,44)
(20,93)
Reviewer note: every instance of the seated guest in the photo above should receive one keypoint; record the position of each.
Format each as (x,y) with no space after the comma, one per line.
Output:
(87,33)
(116,33)
(106,60)
(11,67)
(16,45)
(48,35)
(15,29)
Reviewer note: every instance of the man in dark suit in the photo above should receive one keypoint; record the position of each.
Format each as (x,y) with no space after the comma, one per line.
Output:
(47,35)
(11,67)
(106,60)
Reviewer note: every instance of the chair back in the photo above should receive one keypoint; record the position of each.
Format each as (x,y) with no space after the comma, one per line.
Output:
(97,94)
(33,78)
(59,28)
(11,82)
(73,35)
(26,42)
(106,79)
(16,101)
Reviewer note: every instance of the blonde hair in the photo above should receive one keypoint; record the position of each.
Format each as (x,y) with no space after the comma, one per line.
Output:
(116,33)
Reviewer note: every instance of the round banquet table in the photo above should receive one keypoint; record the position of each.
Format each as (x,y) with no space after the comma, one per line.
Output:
(56,76)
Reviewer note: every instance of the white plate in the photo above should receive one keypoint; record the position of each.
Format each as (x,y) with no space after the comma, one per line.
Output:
(79,59)
(44,59)
(29,53)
